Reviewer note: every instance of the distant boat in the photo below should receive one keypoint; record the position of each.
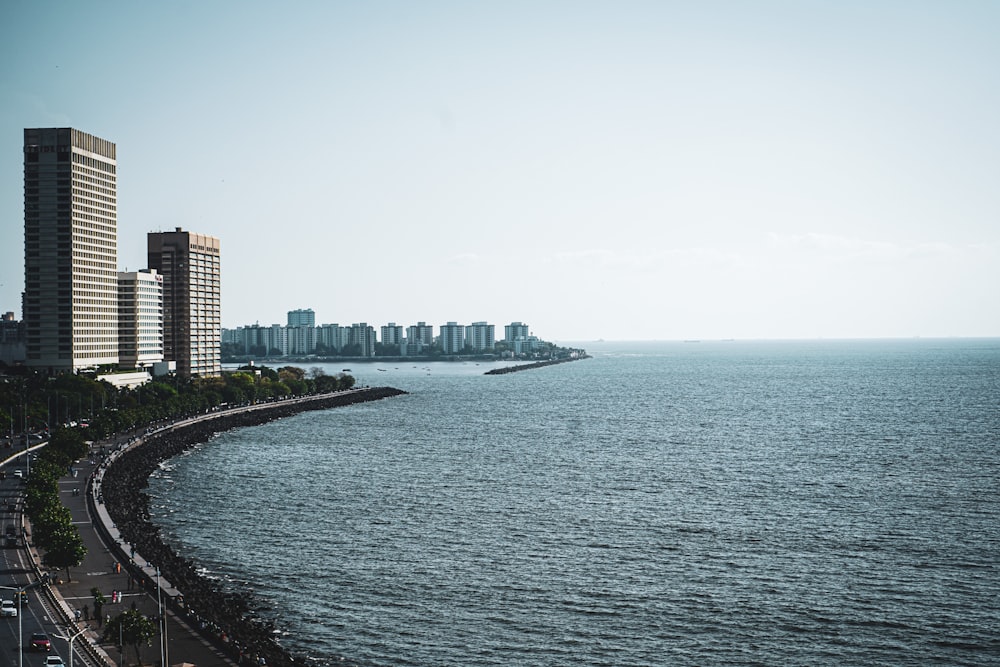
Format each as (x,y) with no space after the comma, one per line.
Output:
(347,370)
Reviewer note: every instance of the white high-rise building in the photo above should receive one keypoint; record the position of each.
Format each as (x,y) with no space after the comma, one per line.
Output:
(70,250)
(420,334)
(452,338)
(140,318)
(480,336)
(363,335)
(333,337)
(301,339)
(516,331)
(392,334)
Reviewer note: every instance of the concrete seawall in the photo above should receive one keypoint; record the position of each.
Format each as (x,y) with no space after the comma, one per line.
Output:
(223,615)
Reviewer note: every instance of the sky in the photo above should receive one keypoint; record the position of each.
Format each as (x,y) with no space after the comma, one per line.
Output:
(618,170)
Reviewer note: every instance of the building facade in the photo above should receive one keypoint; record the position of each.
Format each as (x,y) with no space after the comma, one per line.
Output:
(192,323)
(332,337)
(140,318)
(452,338)
(70,250)
(301,339)
(392,334)
(516,331)
(302,318)
(420,334)
(363,335)
(480,336)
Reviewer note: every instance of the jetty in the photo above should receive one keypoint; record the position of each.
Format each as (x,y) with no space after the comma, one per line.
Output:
(538,364)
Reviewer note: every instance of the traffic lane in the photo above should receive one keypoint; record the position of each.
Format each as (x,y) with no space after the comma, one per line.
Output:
(16,571)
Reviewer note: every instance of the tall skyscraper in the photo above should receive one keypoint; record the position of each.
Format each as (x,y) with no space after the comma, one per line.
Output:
(70,250)
(192,320)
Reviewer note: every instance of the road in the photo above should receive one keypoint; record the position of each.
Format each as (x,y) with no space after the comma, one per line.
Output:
(16,572)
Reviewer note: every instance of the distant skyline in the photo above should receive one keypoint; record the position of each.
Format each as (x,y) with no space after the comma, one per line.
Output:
(639,170)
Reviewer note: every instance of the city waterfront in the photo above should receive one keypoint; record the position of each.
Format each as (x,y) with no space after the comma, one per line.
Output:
(661,503)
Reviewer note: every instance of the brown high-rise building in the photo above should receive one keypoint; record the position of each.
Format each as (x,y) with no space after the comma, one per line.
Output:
(70,250)
(192,320)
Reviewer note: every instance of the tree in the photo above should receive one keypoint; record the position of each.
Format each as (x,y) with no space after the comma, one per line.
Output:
(133,629)
(65,549)
(346,381)
(286,373)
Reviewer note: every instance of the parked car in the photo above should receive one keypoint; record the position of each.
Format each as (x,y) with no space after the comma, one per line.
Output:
(8,609)
(40,642)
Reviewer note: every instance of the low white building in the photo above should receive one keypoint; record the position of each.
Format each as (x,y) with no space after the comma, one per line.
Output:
(140,318)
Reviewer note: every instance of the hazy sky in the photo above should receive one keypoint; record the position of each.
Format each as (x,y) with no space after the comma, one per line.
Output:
(617,170)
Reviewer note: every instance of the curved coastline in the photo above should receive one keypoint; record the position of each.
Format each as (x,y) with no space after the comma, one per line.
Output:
(225,616)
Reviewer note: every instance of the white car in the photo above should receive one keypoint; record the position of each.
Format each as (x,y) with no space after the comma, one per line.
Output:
(54,661)
(8,608)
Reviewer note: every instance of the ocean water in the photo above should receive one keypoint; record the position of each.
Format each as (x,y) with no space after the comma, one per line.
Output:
(714,503)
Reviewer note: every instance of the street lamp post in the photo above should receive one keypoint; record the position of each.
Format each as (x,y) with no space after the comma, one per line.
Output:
(70,640)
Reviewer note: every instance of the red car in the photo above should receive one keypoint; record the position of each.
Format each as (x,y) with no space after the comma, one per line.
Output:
(40,642)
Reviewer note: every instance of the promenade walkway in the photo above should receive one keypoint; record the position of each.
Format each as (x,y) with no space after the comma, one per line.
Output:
(103,570)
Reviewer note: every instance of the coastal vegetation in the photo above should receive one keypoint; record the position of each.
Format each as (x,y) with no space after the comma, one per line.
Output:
(51,523)
(33,403)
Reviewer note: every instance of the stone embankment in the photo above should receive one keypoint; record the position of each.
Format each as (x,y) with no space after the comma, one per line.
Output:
(537,364)
(225,616)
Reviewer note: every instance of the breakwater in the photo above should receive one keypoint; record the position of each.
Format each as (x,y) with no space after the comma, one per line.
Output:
(227,617)
(537,364)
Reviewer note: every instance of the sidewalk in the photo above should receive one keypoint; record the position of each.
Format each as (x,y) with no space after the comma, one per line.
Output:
(101,570)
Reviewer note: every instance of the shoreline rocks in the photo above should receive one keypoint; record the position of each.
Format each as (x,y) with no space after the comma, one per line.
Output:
(528,367)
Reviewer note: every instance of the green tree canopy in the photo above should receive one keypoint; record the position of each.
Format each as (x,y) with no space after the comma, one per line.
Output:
(133,628)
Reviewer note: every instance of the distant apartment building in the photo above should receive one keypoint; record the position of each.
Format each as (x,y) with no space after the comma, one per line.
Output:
(333,337)
(363,336)
(302,318)
(70,298)
(190,266)
(140,318)
(452,338)
(480,336)
(519,339)
(277,339)
(392,334)
(301,339)
(515,331)
(420,334)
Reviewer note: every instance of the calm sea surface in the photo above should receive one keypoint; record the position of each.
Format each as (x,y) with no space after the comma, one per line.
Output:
(715,503)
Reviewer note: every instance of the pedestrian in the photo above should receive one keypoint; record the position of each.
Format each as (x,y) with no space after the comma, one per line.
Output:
(86,612)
